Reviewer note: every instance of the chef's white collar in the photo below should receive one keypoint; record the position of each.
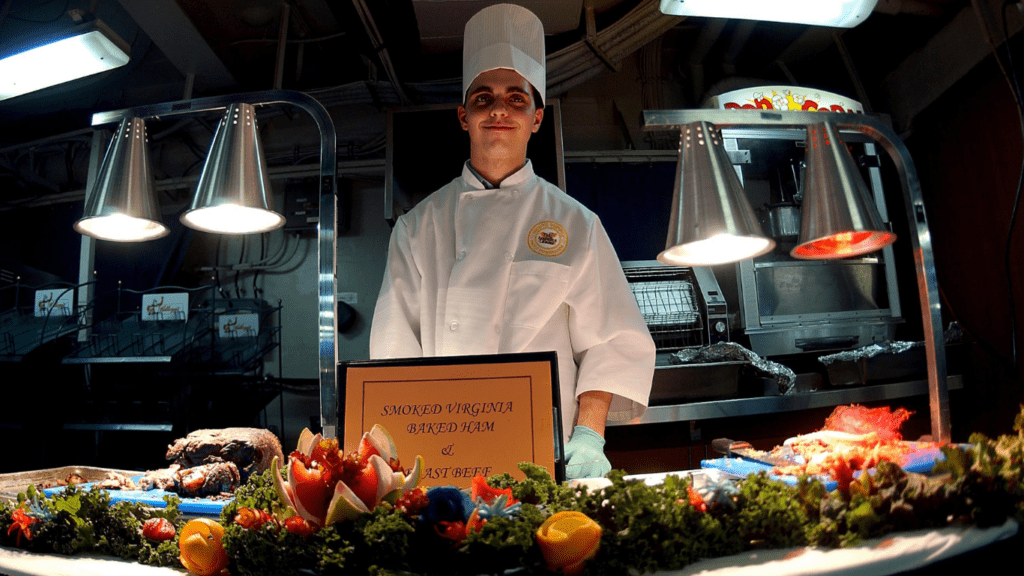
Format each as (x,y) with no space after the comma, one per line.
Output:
(518,177)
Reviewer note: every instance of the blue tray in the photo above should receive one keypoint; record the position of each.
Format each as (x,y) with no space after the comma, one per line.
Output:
(155,498)
(921,460)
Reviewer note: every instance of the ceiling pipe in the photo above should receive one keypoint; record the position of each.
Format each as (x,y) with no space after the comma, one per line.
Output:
(378,44)
(282,45)
(575,64)
(740,37)
(851,70)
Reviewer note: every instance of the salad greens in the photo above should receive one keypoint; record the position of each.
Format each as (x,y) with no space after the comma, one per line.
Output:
(644,528)
(77,520)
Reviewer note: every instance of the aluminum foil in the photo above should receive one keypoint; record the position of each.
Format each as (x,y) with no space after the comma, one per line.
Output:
(733,352)
(954,334)
(869,351)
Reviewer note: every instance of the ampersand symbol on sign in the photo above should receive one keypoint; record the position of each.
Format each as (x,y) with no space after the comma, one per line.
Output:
(448,450)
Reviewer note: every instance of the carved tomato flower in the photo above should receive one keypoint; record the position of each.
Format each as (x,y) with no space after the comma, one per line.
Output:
(567,540)
(325,485)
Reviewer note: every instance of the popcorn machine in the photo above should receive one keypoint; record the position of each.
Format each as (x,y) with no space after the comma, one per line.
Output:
(788,306)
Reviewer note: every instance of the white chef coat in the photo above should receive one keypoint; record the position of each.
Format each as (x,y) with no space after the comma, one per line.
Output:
(518,268)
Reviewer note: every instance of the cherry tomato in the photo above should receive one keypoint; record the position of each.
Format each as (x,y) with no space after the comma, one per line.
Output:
(297,525)
(158,529)
(252,518)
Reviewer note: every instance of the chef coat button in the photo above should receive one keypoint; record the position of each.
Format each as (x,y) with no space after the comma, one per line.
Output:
(508,256)
(454,326)
(462,255)
(469,196)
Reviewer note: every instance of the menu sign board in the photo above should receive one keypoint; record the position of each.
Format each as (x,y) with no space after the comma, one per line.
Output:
(466,415)
(57,302)
(170,306)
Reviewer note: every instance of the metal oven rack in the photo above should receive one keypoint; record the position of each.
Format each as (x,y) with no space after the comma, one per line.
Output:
(681,306)
(184,356)
(124,337)
(670,311)
(239,354)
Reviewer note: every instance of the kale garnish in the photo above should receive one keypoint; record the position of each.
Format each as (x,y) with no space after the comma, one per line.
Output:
(76,520)
(645,528)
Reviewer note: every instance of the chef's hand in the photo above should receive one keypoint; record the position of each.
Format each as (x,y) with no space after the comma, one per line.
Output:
(584,455)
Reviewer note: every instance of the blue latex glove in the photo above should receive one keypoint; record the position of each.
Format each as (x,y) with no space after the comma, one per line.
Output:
(584,455)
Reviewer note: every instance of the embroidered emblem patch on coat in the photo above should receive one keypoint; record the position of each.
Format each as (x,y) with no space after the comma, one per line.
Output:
(548,238)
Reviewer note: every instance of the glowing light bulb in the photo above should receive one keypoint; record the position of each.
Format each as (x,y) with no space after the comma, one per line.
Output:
(719,249)
(121,228)
(233,219)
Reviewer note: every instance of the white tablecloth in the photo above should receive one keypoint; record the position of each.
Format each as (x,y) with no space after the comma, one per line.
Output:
(895,553)
(21,563)
(892,554)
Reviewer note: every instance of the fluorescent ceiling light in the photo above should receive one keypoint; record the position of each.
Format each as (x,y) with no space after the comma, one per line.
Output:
(835,13)
(88,50)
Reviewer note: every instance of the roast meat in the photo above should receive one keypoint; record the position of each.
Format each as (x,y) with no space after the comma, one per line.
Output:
(250,449)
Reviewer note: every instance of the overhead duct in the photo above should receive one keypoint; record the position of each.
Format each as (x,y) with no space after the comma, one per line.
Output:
(441,23)
(171,30)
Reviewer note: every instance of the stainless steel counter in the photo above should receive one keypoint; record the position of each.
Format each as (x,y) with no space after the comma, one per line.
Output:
(788,403)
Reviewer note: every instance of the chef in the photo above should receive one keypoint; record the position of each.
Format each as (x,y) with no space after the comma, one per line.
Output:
(501,261)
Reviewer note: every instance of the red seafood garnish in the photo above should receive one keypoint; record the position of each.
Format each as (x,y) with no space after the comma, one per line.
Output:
(857,419)
(459,531)
(481,489)
(696,501)
(22,523)
(854,438)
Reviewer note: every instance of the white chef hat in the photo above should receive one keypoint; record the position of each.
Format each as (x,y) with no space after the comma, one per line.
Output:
(504,36)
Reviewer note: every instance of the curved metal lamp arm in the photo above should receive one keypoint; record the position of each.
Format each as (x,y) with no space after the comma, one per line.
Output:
(924,263)
(326,229)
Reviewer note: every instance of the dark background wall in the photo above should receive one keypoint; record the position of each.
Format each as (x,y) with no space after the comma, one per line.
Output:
(968,153)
